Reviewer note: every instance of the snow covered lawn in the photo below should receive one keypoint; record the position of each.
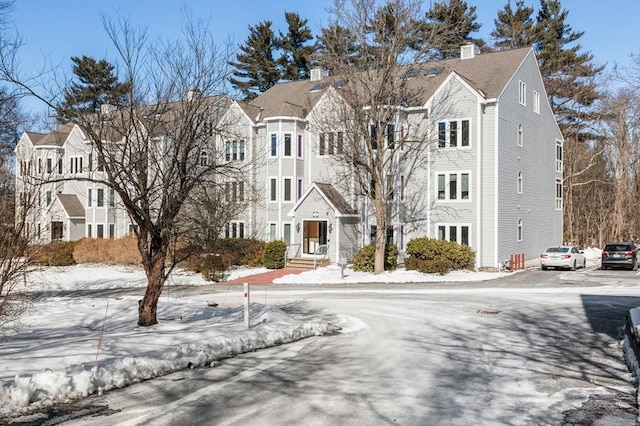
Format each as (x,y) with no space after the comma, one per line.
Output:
(70,347)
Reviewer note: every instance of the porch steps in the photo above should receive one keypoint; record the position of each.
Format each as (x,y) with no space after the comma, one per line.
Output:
(306,263)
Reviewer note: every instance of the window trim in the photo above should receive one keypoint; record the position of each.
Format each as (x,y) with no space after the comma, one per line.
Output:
(536,102)
(519,183)
(462,132)
(447,186)
(272,189)
(100,197)
(519,230)
(273,145)
(522,93)
(286,179)
(459,231)
(288,142)
(520,136)
(559,155)
(274,236)
(558,193)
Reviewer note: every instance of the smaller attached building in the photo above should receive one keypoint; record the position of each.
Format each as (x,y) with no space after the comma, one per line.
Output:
(325,223)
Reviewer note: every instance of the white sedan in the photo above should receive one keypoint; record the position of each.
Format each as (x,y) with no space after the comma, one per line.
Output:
(562,257)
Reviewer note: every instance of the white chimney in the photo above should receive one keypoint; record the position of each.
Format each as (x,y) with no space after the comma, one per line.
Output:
(318,74)
(107,109)
(469,51)
(193,94)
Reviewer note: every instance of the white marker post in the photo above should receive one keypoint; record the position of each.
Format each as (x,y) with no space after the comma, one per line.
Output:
(246,305)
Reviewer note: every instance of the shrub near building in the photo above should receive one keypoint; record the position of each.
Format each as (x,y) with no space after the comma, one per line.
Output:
(432,256)
(274,253)
(364,260)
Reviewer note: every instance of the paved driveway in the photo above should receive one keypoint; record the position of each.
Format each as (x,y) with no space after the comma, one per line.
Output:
(543,350)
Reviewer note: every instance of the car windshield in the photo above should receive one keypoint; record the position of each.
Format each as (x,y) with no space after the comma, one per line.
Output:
(616,248)
(557,249)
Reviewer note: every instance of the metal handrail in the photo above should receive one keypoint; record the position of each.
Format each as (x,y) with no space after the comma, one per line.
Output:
(321,250)
(287,254)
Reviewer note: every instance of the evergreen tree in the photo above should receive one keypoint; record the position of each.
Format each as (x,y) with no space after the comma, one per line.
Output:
(335,42)
(447,26)
(569,75)
(513,29)
(296,55)
(256,70)
(97,85)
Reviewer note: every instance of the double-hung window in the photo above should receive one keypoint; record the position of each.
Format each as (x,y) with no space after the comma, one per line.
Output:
(559,156)
(522,94)
(558,194)
(287,190)
(454,134)
(75,165)
(234,150)
(274,145)
(287,145)
(453,186)
(458,233)
(273,189)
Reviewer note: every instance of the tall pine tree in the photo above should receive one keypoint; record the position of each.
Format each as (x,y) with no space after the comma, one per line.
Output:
(447,26)
(256,70)
(569,76)
(513,28)
(97,85)
(335,42)
(296,54)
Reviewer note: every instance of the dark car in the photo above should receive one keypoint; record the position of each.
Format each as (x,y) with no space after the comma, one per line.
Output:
(620,254)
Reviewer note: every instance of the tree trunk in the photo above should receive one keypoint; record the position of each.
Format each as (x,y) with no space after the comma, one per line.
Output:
(148,306)
(153,250)
(381,237)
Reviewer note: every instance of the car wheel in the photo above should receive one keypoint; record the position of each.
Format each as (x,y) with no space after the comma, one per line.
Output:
(635,266)
(584,264)
(573,267)
(544,268)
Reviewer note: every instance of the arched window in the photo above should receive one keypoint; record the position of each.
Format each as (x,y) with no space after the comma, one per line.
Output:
(519,230)
(204,158)
(520,135)
(519,181)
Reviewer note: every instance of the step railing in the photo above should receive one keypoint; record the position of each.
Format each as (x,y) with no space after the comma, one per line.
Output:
(292,251)
(319,254)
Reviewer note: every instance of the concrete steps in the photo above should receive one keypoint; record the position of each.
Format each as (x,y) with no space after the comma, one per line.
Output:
(306,263)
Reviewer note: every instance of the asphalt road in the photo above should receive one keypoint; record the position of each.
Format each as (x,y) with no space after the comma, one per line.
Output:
(537,348)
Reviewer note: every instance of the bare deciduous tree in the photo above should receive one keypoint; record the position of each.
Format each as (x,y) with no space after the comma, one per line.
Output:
(377,129)
(150,152)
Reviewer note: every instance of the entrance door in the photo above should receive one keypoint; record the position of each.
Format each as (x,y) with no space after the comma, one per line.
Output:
(315,234)
(56,231)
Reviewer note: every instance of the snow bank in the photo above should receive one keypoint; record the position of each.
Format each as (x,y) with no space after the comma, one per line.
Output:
(271,327)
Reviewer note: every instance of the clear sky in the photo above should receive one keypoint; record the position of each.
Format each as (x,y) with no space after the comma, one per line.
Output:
(55,30)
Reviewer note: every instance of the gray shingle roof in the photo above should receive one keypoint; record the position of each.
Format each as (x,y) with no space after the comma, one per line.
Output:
(335,198)
(55,138)
(488,72)
(72,205)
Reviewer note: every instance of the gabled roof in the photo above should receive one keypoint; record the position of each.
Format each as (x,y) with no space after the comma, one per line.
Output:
(72,205)
(486,72)
(56,138)
(34,137)
(331,196)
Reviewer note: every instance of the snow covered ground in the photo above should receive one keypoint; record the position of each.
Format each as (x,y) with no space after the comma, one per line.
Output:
(71,347)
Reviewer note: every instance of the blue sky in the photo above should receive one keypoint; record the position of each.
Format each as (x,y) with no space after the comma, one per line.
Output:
(55,30)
